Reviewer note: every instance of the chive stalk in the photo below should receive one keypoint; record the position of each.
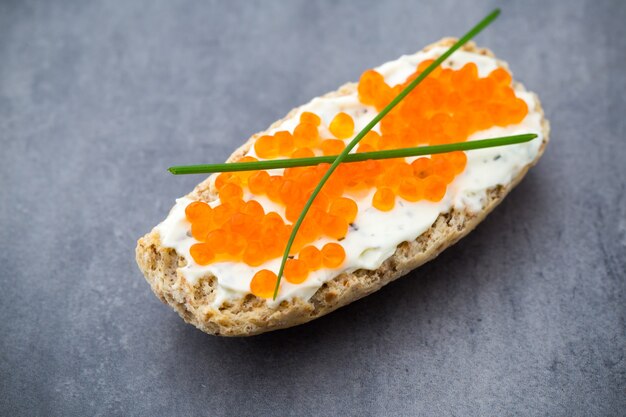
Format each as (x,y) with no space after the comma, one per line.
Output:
(342,156)
(353,157)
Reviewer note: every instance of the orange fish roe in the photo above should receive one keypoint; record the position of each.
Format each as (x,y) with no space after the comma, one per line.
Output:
(411,189)
(312,118)
(333,255)
(197,210)
(200,229)
(266,147)
(458,160)
(384,199)
(371,141)
(263,283)
(332,146)
(296,271)
(258,182)
(305,135)
(344,207)
(215,238)
(202,253)
(334,226)
(373,90)
(422,167)
(342,126)
(434,188)
(448,106)
(312,257)
(303,153)
(285,142)
(230,191)
(225,177)
(253,254)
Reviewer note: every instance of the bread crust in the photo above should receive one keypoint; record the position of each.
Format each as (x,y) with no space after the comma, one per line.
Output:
(251,315)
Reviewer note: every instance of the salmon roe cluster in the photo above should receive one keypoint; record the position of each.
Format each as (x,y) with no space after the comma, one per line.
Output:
(448,106)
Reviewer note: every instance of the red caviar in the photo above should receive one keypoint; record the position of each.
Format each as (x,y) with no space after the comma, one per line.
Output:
(258,182)
(333,255)
(312,118)
(296,271)
(202,253)
(344,207)
(197,210)
(332,146)
(384,199)
(266,147)
(312,256)
(305,135)
(284,142)
(263,283)
(342,126)
(448,106)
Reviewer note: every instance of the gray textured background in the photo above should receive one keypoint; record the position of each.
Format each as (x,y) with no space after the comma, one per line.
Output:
(525,316)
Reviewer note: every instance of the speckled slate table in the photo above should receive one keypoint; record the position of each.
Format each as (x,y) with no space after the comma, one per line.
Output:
(526,316)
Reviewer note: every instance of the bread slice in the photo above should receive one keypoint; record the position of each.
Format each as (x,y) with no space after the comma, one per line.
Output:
(251,315)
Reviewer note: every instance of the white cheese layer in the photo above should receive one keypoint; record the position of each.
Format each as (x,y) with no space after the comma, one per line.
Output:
(375,234)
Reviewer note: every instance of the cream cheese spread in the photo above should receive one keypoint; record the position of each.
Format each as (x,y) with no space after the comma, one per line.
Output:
(374,235)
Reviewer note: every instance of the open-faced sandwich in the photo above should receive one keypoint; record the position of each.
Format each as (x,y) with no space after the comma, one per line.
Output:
(216,256)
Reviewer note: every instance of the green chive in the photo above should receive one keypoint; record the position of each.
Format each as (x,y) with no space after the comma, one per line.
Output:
(469,35)
(353,157)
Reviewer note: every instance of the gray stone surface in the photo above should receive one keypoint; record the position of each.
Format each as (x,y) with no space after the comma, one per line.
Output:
(524,317)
